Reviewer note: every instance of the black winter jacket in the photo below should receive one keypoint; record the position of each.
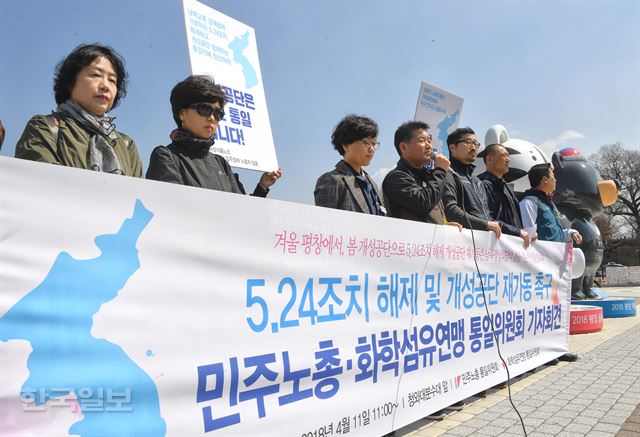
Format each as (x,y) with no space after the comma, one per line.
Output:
(503,204)
(414,193)
(464,192)
(186,163)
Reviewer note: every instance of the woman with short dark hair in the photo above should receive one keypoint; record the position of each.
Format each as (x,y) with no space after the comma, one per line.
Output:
(88,83)
(197,104)
(348,186)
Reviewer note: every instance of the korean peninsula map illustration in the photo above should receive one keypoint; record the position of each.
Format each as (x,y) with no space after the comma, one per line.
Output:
(443,130)
(67,355)
(237,46)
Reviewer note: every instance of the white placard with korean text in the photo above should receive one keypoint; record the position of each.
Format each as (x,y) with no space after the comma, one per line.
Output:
(227,50)
(441,110)
(137,307)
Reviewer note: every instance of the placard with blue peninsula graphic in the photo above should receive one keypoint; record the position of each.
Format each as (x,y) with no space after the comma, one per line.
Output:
(131,307)
(226,49)
(441,110)
(67,359)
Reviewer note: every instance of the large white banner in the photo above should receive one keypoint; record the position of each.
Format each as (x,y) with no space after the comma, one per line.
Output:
(441,110)
(134,307)
(226,49)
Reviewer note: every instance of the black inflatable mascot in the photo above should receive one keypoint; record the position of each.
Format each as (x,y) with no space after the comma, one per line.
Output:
(581,195)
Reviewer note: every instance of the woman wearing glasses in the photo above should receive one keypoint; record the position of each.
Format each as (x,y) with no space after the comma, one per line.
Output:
(198,105)
(88,83)
(348,186)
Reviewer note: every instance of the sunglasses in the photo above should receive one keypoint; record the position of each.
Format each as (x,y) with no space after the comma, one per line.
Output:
(205,110)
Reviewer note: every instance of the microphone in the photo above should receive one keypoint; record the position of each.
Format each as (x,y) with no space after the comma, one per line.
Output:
(431,165)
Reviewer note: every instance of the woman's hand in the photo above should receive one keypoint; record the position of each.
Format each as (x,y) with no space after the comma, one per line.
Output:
(270,178)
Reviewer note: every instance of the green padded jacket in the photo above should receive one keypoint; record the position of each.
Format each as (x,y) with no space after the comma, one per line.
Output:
(38,143)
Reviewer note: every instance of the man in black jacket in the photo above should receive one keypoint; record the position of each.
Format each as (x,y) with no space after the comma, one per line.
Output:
(410,190)
(464,197)
(502,202)
(413,192)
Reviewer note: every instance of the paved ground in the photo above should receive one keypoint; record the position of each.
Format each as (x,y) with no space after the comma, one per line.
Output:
(632,426)
(596,396)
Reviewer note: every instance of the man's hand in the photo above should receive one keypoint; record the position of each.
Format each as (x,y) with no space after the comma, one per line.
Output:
(525,237)
(455,224)
(268,179)
(442,162)
(495,227)
(577,237)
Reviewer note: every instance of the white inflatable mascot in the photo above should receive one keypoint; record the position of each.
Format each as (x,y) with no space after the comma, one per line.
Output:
(523,155)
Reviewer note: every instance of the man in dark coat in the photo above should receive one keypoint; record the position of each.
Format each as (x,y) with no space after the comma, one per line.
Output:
(501,200)
(464,197)
(411,190)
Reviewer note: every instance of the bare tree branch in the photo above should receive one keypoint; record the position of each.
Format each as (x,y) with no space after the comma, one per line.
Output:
(614,161)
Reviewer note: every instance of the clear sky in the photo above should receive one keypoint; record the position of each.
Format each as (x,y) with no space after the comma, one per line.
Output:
(556,73)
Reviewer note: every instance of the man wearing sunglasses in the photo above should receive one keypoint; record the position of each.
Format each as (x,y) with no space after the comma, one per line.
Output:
(464,197)
(198,106)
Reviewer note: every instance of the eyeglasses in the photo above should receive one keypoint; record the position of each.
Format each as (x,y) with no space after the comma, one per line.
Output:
(205,110)
(470,143)
(375,145)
